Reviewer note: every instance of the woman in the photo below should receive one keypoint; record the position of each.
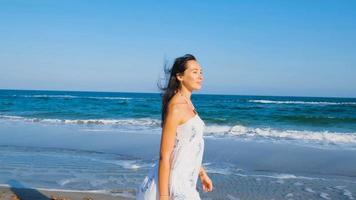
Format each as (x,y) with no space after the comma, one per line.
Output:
(175,174)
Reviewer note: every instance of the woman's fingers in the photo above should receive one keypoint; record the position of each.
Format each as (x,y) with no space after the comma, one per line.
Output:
(210,186)
(207,187)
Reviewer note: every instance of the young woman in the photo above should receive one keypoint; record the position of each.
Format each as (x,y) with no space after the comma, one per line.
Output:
(175,174)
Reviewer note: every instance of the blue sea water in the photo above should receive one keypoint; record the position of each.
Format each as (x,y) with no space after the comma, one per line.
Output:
(302,147)
(303,119)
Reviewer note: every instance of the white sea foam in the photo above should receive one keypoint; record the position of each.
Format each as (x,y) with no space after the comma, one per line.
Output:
(340,187)
(324,195)
(269,133)
(344,191)
(230,197)
(228,169)
(133,122)
(298,183)
(64,182)
(287,176)
(126,164)
(348,194)
(302,102)
(239,131)
(309,190)
(219,171)
(289,195)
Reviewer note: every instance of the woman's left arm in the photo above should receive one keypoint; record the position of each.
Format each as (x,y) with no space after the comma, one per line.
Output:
(206,182)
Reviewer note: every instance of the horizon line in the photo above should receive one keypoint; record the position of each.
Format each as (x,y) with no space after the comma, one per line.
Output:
(195,94)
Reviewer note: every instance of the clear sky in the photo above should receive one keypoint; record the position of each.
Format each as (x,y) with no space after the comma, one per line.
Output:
(294,48)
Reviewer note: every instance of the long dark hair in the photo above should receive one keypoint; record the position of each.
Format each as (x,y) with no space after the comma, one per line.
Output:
(172,83)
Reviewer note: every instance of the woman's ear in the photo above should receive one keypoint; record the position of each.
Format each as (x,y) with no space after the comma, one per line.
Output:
(179,77)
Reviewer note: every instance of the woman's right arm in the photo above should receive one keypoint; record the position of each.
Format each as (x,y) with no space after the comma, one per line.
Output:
(166,149)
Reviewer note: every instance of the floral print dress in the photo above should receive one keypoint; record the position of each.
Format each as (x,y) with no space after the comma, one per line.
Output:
(186,161)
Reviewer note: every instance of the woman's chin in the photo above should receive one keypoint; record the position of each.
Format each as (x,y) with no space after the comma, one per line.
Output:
(198,87)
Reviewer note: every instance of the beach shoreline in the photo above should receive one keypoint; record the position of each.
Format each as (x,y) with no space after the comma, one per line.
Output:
(10,193)
(111,162)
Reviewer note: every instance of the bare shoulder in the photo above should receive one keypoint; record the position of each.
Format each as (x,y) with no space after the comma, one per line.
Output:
(176,108)
(177,104)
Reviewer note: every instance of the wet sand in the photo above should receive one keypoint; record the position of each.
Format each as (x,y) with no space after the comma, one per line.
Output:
(240,169)
(7,193)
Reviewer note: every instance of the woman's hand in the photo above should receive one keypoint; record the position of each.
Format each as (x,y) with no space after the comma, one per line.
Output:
(206,182)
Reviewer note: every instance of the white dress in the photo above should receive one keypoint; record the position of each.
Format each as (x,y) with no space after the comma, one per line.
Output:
(186,161)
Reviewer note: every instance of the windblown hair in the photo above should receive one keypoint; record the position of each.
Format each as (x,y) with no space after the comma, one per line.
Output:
(172,83)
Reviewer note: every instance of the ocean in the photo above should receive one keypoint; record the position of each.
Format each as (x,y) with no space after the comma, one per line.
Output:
(302,147)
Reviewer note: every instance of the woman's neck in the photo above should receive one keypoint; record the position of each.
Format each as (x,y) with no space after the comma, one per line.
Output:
(185,92)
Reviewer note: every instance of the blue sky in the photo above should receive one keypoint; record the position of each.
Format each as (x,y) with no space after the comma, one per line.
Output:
(293,48)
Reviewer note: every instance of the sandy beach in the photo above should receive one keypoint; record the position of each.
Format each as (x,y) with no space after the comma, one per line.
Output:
(253,170)
(7,193)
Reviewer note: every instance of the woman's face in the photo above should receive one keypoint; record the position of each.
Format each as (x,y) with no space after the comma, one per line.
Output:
(192,77)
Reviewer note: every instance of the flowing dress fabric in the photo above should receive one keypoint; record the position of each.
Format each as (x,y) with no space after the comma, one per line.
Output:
(185,161)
